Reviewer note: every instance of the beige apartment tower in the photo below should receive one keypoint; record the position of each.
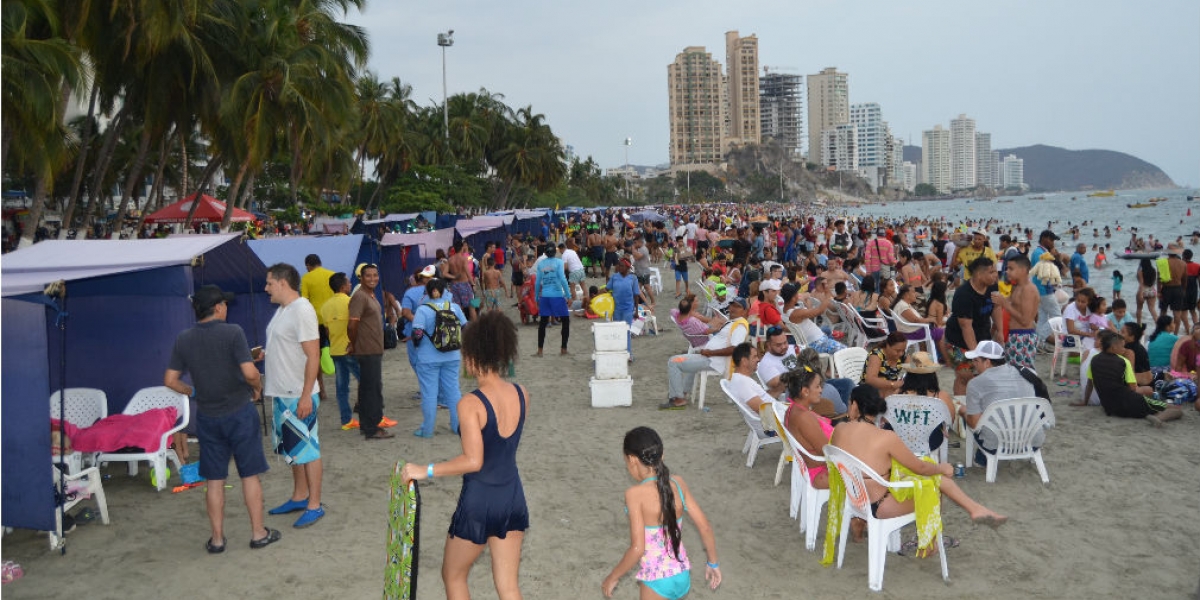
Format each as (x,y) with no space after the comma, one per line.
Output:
(935,158)
(741,61)
(696,98)
(828,107)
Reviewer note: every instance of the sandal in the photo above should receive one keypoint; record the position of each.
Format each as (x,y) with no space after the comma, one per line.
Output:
(672,406)
(273,536)
(215,549)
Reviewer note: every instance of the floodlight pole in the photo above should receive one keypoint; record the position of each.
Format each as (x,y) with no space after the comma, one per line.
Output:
(445,40)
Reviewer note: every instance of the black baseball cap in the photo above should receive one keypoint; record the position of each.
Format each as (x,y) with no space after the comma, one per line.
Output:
(1046,233)
(209,296)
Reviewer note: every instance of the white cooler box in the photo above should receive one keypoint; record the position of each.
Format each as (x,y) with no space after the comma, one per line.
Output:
(611,365)
(611,337)
(612,392)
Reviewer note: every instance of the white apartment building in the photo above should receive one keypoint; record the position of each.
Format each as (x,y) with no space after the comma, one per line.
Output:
(873,135)
(908,177)
(1013,172)
(839,147)
(897,162)
(828,107)
(935,158)
(962,153)
(985,168)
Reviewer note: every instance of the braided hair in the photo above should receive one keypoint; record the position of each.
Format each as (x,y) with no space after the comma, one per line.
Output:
(644,444)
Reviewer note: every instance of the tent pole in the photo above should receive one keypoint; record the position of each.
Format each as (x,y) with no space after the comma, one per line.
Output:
(61,319)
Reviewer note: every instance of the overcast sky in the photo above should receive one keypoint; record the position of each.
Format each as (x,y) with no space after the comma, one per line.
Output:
(1079,74)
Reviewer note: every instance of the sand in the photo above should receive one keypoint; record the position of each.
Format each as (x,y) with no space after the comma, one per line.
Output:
(1118,519)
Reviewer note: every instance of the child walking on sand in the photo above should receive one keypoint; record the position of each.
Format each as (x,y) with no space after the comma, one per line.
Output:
(656,506)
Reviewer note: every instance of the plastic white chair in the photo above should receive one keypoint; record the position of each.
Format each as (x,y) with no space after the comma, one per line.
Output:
(798,334)
(758,437)
(883,535)
(81,485)
(1058,326)
(1016,423)
(700,386)
(806,501)
(863,325)
(927,338)
(766,413)
(850,362)
(914,418)
(656,280)
(644,322)
(83,407)
(147,399)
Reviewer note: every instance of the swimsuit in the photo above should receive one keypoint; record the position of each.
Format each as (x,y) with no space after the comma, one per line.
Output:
(1022,347)
(492,500)
(491,298)
(826,428)
(666,575)
(463,293)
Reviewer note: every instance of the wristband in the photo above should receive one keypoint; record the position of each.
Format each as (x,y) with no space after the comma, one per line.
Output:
(713,565)
(429,471)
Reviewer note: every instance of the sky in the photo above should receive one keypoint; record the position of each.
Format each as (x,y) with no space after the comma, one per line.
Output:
(1095,74)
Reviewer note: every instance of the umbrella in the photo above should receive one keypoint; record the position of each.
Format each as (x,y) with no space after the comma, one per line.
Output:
(210,210)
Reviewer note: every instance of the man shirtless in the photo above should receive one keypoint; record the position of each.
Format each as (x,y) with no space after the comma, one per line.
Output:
(611,241)
(493,288)
(1022,308)
(458,272)
(595,244)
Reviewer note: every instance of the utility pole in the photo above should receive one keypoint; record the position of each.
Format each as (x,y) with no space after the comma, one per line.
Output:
(445,40)
(628,192)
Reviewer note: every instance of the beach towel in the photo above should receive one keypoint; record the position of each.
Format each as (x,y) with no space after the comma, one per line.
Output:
(112,433)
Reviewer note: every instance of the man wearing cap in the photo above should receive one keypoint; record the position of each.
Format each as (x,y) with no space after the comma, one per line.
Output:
(971,319)
(1048,307)
(1170,293)
(715,355)
(226,383)
(766,309)
(967,254)
(994,380)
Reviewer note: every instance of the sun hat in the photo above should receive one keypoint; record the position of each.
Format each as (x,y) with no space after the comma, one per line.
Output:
(920,362)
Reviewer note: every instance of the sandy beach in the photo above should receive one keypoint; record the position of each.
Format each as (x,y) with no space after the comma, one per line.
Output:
(1116,521)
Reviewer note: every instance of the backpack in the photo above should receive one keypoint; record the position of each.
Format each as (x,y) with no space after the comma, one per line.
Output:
(1039,387)
(447,331)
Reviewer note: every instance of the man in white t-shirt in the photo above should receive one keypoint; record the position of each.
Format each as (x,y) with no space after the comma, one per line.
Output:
(782,357)
(576,274)
(682,368)
(292,362)
(745,388)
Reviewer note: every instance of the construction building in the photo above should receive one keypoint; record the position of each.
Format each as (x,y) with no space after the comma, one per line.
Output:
(779,104)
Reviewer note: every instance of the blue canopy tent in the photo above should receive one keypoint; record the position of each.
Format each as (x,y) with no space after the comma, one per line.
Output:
(122,302)
(402,254)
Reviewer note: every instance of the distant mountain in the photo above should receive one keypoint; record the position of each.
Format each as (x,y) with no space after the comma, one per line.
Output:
(1048,168)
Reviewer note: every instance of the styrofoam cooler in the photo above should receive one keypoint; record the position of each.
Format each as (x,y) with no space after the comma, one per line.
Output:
(612,392)
(611,365)
(611,337)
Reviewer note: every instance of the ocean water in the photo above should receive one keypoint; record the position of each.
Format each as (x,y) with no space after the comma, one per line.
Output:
(1061,212)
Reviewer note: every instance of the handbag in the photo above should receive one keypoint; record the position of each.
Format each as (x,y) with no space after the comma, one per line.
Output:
(390,339)
(885,271)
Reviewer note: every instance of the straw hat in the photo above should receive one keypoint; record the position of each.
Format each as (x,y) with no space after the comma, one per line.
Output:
(920,362)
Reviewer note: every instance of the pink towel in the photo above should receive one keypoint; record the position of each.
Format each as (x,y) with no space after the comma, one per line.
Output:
(143,430)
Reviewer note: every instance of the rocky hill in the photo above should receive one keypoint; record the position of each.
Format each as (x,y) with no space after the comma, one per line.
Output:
(1048,168)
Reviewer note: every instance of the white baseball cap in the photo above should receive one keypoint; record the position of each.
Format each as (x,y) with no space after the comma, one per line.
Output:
(986,349)
(770,284)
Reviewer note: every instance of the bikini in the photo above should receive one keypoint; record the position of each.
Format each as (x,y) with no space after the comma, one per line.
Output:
(826,428)
(666,575)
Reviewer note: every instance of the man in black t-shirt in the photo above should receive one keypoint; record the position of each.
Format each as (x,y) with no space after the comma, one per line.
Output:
(225,383)
(971,319)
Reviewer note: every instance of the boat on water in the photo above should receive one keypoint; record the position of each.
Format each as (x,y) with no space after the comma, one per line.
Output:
(1158,199)
(1102,194)
(1138,255)
(1141,205)
(1003,201)
(1038,198)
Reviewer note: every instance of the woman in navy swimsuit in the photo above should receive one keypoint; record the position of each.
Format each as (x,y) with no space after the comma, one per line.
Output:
(491,508)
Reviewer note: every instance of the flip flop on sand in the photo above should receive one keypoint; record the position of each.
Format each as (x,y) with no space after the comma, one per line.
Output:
(991,521)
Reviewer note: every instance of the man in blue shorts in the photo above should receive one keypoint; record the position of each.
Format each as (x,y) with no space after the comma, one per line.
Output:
(215,354)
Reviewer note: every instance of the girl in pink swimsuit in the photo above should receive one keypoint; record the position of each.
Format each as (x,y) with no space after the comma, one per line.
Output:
(654,523)
(804,390)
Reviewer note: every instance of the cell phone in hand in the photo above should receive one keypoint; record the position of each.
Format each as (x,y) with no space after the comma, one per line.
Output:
(256,353)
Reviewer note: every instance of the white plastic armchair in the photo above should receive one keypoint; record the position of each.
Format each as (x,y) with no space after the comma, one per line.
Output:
(850,362)
(864,327)
(147,399)
(82,407)
(914,418)
(1016,423)
(806,501)
(78,487)
(1058,327)
(926,333)
(883,535)
(798,334)
(757,437)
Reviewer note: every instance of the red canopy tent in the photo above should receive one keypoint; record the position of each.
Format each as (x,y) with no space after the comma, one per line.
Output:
(210,210)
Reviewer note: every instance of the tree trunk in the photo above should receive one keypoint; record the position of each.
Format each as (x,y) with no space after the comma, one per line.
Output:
(184,132)
(35,213)
(133,178)
(247,193)
(294,174)
(231,196)
(205,177)
(374,195)
(156,190)
(85,146)
(101,166)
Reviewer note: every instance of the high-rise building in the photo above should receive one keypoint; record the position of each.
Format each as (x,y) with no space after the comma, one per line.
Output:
(962,153)
(1013,172)
(779,106)
(908,178)
(935,158)
(897,163)
(828,107)
(985,173)
(741,67)
(839,147)
(873,136)
(696,98)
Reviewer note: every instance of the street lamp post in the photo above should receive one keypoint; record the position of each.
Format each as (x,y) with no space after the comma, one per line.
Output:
(445,40)
(628,192)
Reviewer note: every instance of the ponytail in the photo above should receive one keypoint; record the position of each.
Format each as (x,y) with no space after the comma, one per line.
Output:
(645,444)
